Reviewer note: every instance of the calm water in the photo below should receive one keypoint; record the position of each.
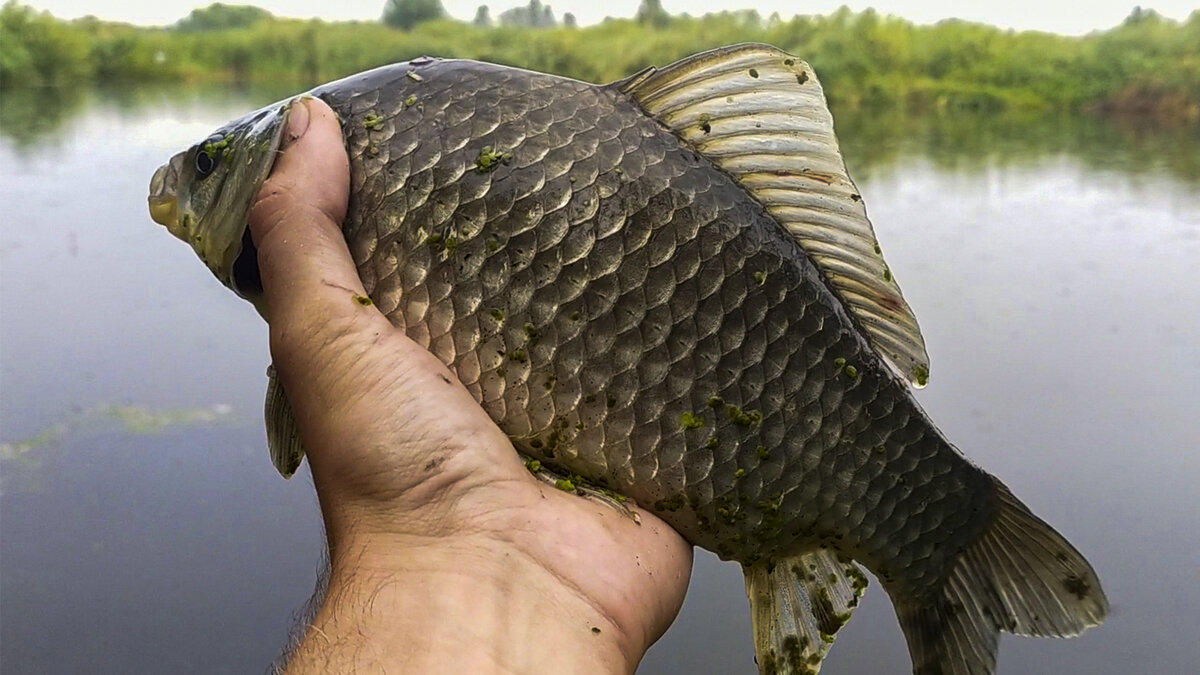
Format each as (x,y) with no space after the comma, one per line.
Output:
(1052,263)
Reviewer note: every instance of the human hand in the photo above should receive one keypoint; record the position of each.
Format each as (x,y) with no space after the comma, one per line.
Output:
(446,554)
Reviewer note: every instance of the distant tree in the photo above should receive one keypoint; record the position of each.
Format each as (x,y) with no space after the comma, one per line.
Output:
(37,49)
(569,20)
(405,14)
(483,17)
(1140,15)
(651,13)
(533,15)
(219,16)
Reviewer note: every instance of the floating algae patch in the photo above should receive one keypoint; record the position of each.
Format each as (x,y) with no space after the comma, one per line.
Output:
(142,420)
(24,456)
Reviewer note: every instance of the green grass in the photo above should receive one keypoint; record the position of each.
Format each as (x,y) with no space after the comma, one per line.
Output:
(1147,65)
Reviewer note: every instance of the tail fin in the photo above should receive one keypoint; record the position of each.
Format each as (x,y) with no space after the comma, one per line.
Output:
(797,606)
(1021,577)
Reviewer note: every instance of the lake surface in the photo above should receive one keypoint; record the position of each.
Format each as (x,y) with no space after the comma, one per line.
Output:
(1054,265)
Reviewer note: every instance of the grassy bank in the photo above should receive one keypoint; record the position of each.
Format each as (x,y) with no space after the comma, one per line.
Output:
(1148,65)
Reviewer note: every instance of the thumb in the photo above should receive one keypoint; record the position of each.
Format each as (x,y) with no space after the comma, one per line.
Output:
(296,218)
(309,278)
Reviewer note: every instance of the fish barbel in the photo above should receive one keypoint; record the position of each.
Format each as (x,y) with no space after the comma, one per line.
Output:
(668,286)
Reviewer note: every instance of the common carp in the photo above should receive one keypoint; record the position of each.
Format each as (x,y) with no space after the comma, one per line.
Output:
(669,287)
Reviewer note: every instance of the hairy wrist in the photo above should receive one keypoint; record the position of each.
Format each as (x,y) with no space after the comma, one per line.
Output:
(471,605)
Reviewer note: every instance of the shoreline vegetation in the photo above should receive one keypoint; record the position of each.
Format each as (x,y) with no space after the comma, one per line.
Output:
(1147,67)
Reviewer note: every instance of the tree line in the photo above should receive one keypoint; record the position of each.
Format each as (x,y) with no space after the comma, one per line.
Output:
(1148,64)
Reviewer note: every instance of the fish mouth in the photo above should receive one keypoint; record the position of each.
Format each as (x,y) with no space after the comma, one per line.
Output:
(163,199)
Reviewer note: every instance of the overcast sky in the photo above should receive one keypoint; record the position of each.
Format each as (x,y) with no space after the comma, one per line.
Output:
(1058,16)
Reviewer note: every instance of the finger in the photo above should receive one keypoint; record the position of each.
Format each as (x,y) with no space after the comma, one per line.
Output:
(306,269)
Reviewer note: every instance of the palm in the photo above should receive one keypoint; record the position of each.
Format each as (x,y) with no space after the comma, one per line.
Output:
(446,469)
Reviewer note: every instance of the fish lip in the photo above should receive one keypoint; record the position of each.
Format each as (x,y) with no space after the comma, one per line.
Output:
(163,195)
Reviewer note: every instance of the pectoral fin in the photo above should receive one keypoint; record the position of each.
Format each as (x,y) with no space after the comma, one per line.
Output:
(283,438)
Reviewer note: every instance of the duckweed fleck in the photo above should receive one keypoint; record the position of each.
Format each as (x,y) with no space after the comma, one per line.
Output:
(489,159)
(920,375)
(689,421)
(211,149)
(743,418)
(673,503)
(362,300)
(373,121)
(410,101)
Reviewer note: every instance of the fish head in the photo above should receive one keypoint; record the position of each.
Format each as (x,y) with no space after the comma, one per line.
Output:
(203,195)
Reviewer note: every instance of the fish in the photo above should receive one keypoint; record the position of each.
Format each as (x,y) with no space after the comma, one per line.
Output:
(667,287)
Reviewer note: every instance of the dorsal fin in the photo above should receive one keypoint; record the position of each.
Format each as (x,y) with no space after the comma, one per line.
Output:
(760,115)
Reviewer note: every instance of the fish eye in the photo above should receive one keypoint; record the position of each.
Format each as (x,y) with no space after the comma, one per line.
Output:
(205,164)
(209,155)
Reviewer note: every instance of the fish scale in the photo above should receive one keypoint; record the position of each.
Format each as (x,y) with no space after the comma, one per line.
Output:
(668,287)
(645,352)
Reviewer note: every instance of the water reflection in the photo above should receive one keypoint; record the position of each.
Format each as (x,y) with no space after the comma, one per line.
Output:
(871,138)
(1051,263)
(31,117)
(965,141)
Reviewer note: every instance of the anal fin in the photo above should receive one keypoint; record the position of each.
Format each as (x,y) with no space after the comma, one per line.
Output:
(797,606)
(283,438)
